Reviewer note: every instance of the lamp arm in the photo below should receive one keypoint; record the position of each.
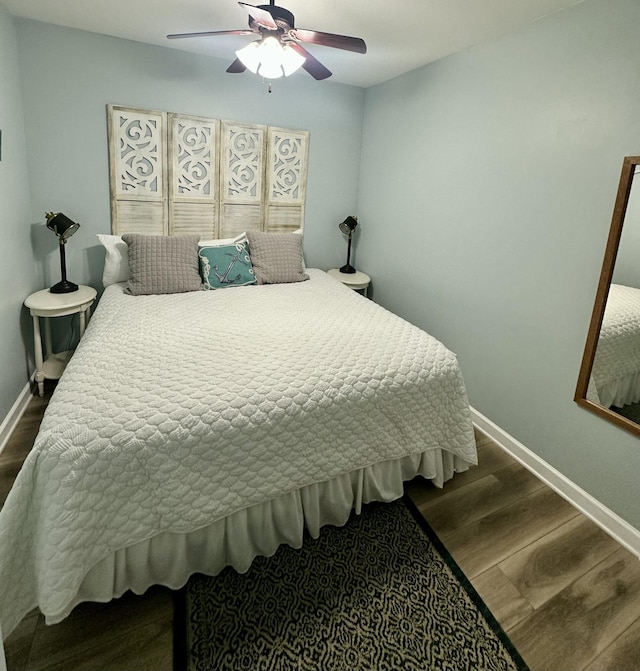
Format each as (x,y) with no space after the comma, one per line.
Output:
(348,268)
(63,259)
(64,286)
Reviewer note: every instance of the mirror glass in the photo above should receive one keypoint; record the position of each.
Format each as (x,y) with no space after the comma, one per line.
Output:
(609,381)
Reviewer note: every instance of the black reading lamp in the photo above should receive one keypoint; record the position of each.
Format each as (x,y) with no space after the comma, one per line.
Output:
(64,228)
(348,226)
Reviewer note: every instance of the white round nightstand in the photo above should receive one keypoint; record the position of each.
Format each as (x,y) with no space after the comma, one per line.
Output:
(45,304)
(357,281)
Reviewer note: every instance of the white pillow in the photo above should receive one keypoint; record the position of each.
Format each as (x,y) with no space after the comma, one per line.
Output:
(116,261)
(298,231)
(223,242)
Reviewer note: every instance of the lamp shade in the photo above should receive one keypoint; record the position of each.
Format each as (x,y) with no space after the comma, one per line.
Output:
(269,58)
(348,226)
(61,225)
(64,228)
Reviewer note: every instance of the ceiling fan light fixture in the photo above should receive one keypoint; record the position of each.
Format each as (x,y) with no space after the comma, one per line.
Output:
(279,52)
(270,59)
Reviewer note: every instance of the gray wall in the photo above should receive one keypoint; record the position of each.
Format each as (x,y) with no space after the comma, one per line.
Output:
(68,78)
(17,274)
(487,186)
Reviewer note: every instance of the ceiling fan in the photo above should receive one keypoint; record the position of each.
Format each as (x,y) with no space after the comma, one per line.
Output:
(278,51)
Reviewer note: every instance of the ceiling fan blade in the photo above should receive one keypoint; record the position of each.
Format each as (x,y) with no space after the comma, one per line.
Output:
(237,67)
(260,16)
(312,65)
(210,33)
(330,40)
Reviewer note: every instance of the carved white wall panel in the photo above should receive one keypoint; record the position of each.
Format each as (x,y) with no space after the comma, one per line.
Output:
(173,174)
(287,165)
(139,152)
(193,161)
(242,162)
(138,169)
(193,146)
(287,179)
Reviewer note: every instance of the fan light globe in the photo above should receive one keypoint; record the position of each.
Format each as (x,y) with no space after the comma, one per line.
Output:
(249,56)
(291,60)
(270,59)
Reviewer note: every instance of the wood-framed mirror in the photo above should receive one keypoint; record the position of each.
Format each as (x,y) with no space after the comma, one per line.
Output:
(609,379)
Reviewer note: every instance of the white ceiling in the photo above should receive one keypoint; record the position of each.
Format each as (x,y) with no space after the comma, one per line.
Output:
(401,35)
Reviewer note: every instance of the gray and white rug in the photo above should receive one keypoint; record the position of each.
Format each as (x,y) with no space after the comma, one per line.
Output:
(380,593)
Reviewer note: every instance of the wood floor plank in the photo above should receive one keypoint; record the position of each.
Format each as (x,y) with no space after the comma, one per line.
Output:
(95,625)
(461,507)
(148,648)
(21,440)
(548,565)
(574,627)
(17,645)
(622,655)
(502,598)
(8,472)
(485,543)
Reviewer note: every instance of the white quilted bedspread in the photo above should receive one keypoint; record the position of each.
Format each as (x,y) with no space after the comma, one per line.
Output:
(617,362)
(177,410)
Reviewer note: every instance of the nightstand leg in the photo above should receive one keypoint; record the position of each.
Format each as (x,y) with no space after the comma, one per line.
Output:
(37,346)
(48,347)
(83,321)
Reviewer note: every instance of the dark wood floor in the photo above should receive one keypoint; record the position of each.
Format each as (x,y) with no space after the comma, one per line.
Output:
(567,594)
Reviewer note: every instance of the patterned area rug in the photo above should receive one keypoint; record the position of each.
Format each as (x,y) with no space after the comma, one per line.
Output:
(631,411)
(380,593)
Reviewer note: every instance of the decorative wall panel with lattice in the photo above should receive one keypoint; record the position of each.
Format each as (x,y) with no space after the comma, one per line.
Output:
(138,170)
(192,150)
(173,173)
(287,178)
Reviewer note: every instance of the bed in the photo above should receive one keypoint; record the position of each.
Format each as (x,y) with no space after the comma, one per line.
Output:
(199,429)
(616,367)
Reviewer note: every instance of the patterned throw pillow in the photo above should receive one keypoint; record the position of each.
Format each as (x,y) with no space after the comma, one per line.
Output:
(226,266)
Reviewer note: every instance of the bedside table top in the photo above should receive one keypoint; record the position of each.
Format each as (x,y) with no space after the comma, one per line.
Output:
(357,280)
(45,303)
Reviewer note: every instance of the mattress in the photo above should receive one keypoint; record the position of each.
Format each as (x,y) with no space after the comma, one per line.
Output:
(616,367)
(179,412)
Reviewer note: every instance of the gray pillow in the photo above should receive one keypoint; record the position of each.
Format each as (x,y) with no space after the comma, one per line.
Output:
(276,257)
(162,264)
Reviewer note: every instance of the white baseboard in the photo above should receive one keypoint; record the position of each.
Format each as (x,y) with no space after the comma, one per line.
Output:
(627,535)
(13,417)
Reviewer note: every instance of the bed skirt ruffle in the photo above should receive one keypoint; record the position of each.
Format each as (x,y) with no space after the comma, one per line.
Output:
(169,558)
(623,391)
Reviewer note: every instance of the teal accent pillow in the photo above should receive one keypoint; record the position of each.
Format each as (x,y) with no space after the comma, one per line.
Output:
(226,266)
